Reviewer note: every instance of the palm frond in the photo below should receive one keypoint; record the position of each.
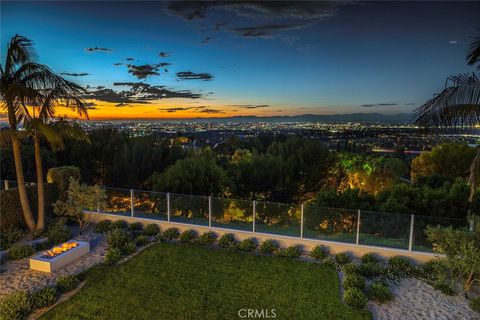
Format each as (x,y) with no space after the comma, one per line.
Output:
(6,136)
(20,51)
(457,105)
(473,56)
(474,175)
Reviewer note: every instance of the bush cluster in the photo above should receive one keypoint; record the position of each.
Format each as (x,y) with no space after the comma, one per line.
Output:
(20,251)
(294,251)
(135,227)
(206,238)
(169,234)
(354,297)
(228,241)
(44,297)
(67,283)
(113,256)
(142,240)
(58,233)
(151,230)
(16,305)
(379,291)
(342,258)
(350,267)
(247,245)
(475,304)
(319,252)
(9,237)
(103,226)
(442,285)
(369,270)
(269,246)
(188,236)
(353,280)
(119,224)
(369,258)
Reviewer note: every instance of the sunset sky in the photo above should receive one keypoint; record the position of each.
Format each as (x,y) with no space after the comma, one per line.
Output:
(223,58)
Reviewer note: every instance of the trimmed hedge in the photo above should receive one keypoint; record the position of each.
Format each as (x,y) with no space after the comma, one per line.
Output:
(12,215)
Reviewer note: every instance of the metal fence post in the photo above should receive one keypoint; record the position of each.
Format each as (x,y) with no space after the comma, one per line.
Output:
(132,203)
(358,228)
(168,206)
(6,184)
(210,211)
(410,239)
(301,222)
(254,214)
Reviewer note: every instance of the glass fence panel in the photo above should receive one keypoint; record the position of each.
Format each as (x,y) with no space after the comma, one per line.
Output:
(9,184)
(330,224)
(232,214)
(384,229)
(420,241)
(189,209)
(118,201)
(150,205)
(277,218)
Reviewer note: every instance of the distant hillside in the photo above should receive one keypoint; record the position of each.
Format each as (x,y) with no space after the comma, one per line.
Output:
(352,117)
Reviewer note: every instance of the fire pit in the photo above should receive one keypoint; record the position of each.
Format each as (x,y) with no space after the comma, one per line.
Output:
(58,256)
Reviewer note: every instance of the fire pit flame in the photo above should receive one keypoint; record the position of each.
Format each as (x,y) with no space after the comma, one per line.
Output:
(55,251)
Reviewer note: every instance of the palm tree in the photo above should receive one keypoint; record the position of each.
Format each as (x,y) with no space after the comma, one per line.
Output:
(457,105)
(23,83)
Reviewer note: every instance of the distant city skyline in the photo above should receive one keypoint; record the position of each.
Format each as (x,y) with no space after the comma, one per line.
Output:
(173,59)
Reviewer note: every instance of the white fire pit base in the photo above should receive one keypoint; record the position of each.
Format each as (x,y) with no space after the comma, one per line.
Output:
(40,263)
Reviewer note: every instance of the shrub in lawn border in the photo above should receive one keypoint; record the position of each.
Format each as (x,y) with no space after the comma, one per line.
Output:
(247,245)
(44,297)
(319,252)
(206,238)
(370,258)
(350,268)
(142,240)
(293,251)
(369,270)
(228,241)
(354,297)
(119,239)
(135,227)
(380,292)
(16,305)
(342,258)
(151,229)
(475,304)
(119,224)
(188,235)
(442,285)
(67,283)
(113,255)
(169,234)
(269,246)
(352,280)
(20,251)
(103,226)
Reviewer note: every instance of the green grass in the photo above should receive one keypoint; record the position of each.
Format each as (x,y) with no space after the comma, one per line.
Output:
(183,281)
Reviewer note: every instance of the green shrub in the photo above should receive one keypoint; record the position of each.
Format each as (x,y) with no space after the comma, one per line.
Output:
(249,244)
(170,234)
(228,241)
(135,227)
(399,267)
(103,226)
(120,239)
(129,248)
(58,233)
(353,280)
(330,261)
(44,297)
(475,304)
(442,285)
(354,297)
(399,262)
(113,255)
(20,251)
(11,208)
(188,236)
(369,258)
(15,306)
(342,258)
(151,229)
(9,237)
(434,269)
(67,283)
(294,251)
(269,246)
(142,240)
(319,252)
(119,224)
(379,291)
(206,238)
(350,268)
(369,270)
(60,176)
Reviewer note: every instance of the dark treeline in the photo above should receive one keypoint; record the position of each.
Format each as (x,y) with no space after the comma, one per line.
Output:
(268,167)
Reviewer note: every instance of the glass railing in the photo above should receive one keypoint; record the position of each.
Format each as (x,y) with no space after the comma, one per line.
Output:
(150,205)
(277,218)
(330,224)
(190,209)
(232,214)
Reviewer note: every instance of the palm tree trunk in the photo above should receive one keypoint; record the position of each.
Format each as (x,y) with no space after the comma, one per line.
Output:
(40,186)
(22,190)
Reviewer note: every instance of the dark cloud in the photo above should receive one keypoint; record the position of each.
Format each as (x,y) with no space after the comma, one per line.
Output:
(98,49)
(143,71)
(265,31)
(304,10)
(138,92)
(74,74)
(206,40)
(188,75)
(386,104)
(219,25)
(211,111)
(175,109)
(129,59)
(164,54)
(122,104)
(90,105)
(118,64)
(164,64)
(254,106)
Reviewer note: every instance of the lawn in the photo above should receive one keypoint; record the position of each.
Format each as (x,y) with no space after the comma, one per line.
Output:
(184,281)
